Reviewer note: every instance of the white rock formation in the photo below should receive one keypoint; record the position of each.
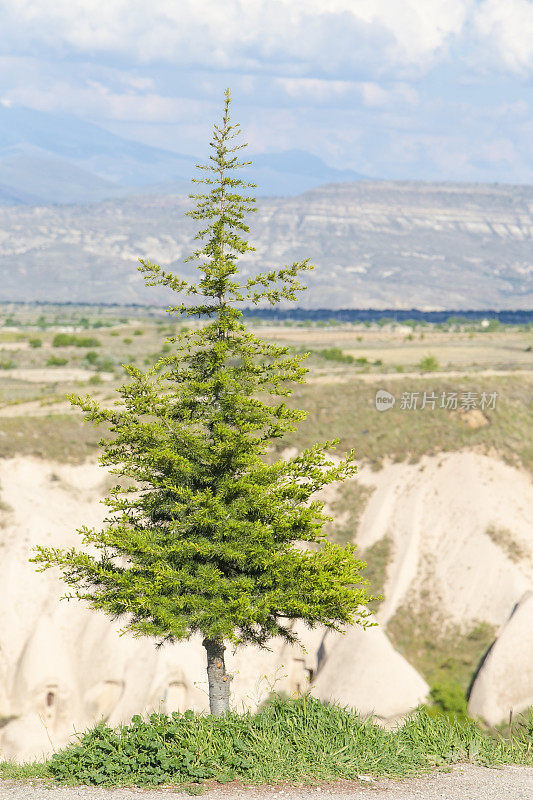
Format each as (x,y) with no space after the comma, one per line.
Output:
(437,514)
(362,670)
(505,681)
(62,666)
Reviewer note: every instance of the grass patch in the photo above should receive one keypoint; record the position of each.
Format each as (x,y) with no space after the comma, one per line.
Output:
(504,539)
(443,653)
(25,772)
(296,740)
(347,510)
(12,336)
(348,412)
(449,698)
(59,437)
(377,558)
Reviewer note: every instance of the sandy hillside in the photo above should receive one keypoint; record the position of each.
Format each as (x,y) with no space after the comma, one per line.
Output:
(438,513)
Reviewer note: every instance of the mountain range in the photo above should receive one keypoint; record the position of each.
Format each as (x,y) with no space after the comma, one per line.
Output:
(57,158)
(376,244)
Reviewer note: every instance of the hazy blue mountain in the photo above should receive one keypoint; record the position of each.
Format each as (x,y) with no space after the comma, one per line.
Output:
(13,197)
(66,136)
(303,164)
(61,159)
(58,158)
(38,179)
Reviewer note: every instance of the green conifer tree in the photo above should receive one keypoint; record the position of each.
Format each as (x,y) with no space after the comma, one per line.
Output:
(203,540)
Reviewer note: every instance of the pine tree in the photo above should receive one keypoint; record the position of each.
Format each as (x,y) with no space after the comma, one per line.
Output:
(203,540)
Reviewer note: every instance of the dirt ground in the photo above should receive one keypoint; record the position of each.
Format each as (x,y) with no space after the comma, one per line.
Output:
(463,782)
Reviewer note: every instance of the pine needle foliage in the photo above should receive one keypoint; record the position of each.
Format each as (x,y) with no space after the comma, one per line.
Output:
(203,540)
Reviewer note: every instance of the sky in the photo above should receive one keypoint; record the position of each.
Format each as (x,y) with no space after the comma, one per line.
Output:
(395,89)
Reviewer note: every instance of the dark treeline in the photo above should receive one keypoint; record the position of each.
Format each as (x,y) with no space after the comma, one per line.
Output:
(507,317)
(390,315)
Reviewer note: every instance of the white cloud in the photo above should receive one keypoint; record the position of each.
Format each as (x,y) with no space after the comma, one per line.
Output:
(137,82)
(508,24)
(403,88)
(499,149)
(315,89)
(95,100)
(340,39)
(375,95)
(334,34)
(318,91)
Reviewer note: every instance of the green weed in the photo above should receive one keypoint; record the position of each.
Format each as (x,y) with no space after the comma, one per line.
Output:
(27,772)
(297,740)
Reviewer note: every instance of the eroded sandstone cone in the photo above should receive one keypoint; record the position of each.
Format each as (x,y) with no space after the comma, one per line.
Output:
(505,681)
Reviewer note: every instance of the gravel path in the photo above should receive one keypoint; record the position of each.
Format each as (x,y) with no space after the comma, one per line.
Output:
(464,782)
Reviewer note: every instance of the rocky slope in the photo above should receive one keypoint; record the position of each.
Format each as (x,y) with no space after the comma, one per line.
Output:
(375,244)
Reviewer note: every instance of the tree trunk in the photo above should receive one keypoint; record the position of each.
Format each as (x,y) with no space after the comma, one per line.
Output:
(219,681)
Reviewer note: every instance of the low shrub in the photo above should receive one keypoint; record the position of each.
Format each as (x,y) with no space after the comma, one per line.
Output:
(105,365)
(428,364)
(292,739)
(91,357)
(335,354)
(56,361)
(71,340)
(63,340)
(449,698)
(86,341)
